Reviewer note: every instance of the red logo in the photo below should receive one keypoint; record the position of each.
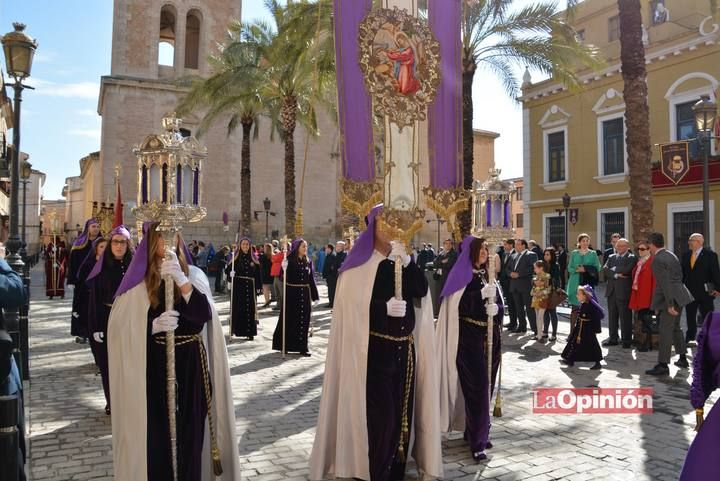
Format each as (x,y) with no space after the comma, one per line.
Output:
(593,401)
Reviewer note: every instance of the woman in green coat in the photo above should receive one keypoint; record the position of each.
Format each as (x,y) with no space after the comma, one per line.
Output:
(583,260)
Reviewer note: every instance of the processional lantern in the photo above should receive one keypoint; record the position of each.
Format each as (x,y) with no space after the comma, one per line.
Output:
(169,180)
(492,208)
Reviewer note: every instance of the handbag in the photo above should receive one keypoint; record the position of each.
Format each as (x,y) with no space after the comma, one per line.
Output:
(650,321)
(557,297)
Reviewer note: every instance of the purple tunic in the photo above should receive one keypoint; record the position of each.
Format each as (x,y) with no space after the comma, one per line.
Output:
(701,463)
(300,292)
(78,271)
(471,361)
(191,399)
(582,343)
(387,363)
(244,295)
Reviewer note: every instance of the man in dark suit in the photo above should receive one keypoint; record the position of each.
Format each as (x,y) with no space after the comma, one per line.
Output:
(508,253)
(562,258)
(612,250)
(444,263)
(618,273)
(331,268)
(701,275)
(669,297)
(534,247)
(520,271)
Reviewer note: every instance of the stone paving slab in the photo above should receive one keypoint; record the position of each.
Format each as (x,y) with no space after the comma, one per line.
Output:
(277,400)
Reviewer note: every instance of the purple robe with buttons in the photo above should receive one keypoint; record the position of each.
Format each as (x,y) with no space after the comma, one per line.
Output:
(300,292)
(701,463)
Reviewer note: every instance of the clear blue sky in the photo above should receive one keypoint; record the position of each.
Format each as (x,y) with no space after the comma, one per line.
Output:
(60,124)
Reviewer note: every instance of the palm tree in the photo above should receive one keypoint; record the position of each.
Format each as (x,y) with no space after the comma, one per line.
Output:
(298,77)
(231,93)
(502,41)
(637,118)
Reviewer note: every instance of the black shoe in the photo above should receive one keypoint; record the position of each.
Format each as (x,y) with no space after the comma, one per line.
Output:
(596,366)
(627,345)
(520,331)
(251,338)
(488,445)
(479,456)
(567,363)
(107,410)
(305,354)
(610,342)
(553,338)
(511,328)
(644,349)
(510,325)
(658,370)
(682,362)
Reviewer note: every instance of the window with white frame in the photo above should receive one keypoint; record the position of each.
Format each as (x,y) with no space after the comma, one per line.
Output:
(685,127)
(554,230)
(556,156)
(610,223)
(613,146)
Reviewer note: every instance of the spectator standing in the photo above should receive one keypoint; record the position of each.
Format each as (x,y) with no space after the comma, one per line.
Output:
(276,273)
(265,259)
(534,247)
(444,262)
(701,275)
(320,263)
(562,259)
(618,273)
(520,271)
(220,261)
(583,268)
(201,258)
(669,297)
(643,285)
(508,253)
(550,317)
(540,296)
(614,238)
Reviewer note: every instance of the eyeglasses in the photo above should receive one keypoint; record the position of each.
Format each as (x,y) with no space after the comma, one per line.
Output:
(119,242)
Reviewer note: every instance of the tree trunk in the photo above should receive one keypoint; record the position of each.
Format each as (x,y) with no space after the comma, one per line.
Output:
(637,118)
(288,117)
(245,197)
(468,75)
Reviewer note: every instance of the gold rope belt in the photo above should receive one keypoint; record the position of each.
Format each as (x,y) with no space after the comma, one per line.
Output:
(474,321)
(298,285)
(181,341)
(409,373)
(581,320)
(244,277)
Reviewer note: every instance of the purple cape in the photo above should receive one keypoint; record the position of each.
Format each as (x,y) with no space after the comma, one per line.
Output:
(136,270)
(461,273)
(82,239)
(593,301)
(364,245)
(90,257)
(119,230)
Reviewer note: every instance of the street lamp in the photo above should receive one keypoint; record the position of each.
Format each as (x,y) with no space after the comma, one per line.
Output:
(266,207)
(439,222)
(19,50)
(25,172)
(705,112)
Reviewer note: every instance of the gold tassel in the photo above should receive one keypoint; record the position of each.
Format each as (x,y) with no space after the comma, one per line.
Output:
(217,465)
(497,410)
(699,419)
(401,448)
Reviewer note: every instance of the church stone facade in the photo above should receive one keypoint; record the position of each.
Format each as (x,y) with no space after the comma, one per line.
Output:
(156,43)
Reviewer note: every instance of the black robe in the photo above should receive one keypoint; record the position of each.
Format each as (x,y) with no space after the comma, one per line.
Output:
(244,295)
(101,297)
(471,361)
(582,343)
(78,271)
(387,367)
(191,398)
(300,292)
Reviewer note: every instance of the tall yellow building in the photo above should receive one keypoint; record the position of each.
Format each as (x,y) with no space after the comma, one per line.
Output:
(575,142)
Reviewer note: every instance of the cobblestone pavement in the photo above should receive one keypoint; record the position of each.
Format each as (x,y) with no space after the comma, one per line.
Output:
(277,401)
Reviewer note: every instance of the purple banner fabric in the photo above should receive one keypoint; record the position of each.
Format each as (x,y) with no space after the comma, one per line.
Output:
(445,113)
(506,217)
(354,105)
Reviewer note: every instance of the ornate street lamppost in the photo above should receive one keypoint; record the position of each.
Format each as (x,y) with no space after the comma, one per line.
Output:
(25,172)
(266,207)
(19,50)
(705,116)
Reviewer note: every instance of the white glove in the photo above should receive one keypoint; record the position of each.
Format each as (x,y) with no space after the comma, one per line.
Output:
(98,336)
(167,321)
(489,291)
(172,268)
(491,310)
(284,264)
(398,252)
(396,307)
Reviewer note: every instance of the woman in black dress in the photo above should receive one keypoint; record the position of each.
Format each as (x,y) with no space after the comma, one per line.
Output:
(245,287)
(300,294)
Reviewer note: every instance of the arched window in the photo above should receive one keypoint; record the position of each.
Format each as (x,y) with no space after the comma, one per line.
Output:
(166,42)
(192,40)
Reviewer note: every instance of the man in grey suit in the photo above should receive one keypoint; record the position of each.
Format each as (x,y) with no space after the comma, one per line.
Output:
(669,297)
(618,272)
(520,271)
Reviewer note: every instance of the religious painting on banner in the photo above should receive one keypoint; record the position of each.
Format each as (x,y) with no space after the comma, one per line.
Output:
(675,160)
(573,216)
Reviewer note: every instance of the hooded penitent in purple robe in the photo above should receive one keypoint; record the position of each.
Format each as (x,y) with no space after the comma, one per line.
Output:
(582,344)
(80,264)
(300,292)
(462,328)
(368,396)
(138,382)
(102,283)
(700,462)
(245,287)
